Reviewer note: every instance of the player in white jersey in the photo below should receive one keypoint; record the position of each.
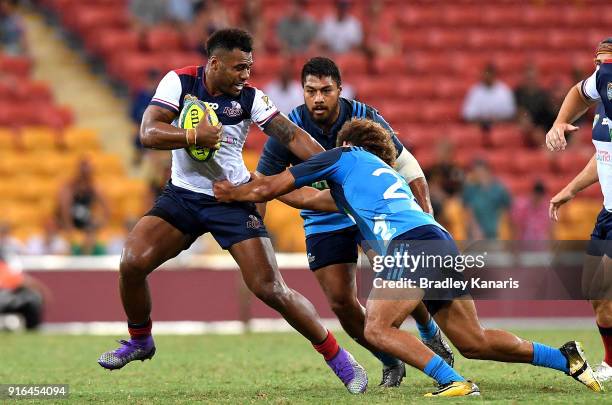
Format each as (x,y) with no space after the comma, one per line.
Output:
(596,88)
(188,208)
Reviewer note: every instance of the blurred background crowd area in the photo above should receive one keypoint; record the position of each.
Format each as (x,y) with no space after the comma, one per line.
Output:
(471,87)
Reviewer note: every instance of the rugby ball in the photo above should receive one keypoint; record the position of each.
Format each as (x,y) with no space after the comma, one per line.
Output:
(192,114)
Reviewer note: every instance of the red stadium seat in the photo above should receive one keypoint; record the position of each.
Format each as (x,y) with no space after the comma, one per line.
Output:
(517,185)
(440,112)
(564,39)
(164,39)
(445,39)
(414,15)
(351,64)
(527,39)
(16,65)
(506,137)
(176,60)
(581,16)
(502,16)
(108,41)
(479,39)
(465,136)
(415,87)
(459,15)
(414,39)
(571,162)
(529,163)
(429,62)
(500,162)
(451,88)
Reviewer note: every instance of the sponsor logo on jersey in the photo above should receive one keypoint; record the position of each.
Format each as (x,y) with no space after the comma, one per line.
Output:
(603,156)
(253,222)
(229,140)
(610,91)
(234,111)
(320,185)
(267,102)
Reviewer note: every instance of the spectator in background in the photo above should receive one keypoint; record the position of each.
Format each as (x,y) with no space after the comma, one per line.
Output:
(115,244)
(251,20)
(489,101)
(286,92)
(50,242)
(81,205)
(9,245)
(297,31)
(88,244)
(21,295)
(533,101)
(12,37)
(381,35)
(447,169)
(180,12)
(529,215)
(140,102)
(342,32)
(445,179)
(148,13)
(486,199)
(210,16)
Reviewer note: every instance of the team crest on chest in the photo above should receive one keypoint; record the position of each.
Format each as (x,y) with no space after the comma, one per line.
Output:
(234,111)
(610,91)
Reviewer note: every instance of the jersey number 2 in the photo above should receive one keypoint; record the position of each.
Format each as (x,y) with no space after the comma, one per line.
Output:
(391,192)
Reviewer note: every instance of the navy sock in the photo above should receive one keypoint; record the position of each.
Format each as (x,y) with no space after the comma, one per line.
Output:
(429,330)
(437,369)
(386,359)
(546,356)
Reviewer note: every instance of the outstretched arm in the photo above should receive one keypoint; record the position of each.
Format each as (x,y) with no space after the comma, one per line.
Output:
(585,178)
(298,141)
(258,190)
(309,198)
(574,106)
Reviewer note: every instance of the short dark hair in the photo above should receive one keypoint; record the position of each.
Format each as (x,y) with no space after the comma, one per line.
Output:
(229,39)
(369,135)
(321,67)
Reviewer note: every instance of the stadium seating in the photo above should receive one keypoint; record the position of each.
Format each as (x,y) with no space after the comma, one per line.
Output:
(420,92)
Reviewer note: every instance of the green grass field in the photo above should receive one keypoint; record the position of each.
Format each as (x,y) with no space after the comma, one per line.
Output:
(266,368)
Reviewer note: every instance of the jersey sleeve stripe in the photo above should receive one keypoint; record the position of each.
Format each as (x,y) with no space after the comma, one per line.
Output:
(162,103)
(585,94)
(363,110)
(354,108)
(298,120)
(264,122)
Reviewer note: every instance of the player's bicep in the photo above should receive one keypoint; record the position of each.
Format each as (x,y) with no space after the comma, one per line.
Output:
(154,113)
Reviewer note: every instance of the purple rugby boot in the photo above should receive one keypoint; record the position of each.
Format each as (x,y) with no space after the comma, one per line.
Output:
(130,350)
(352,374)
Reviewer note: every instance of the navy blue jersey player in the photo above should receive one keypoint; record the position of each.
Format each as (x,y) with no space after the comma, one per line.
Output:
(595,89)
(363,184)
(187,208)
(332,239)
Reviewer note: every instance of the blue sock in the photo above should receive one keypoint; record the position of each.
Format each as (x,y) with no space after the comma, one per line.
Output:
(386,359)
(440,371)
(429,330)
(546,356)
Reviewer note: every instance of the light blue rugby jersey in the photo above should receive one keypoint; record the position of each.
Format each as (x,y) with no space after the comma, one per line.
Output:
(374,195)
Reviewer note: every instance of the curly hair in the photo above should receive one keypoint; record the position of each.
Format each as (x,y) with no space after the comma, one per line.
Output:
(369,135)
